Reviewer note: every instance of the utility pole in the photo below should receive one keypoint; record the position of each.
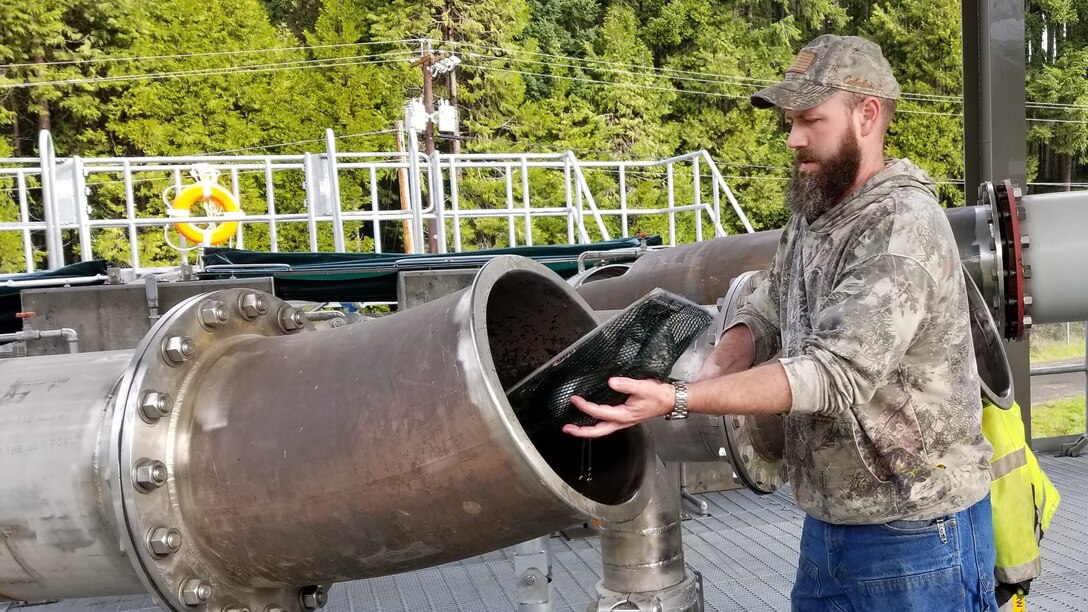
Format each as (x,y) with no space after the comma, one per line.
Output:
(402,182)
(424,62)
(451,77)
(428,95)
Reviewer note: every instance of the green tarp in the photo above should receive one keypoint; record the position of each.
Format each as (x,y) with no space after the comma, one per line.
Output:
(372,277)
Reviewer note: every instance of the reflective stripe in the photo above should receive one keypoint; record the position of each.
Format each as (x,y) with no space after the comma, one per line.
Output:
(1005,465)
(1019,573)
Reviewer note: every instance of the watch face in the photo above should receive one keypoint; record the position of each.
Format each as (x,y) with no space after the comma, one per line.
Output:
(642,341)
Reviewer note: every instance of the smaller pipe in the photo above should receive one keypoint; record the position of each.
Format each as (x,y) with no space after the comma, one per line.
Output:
(704,508)
(585,256)
(323,315)
(55,282)
(30,335)
(1062,369)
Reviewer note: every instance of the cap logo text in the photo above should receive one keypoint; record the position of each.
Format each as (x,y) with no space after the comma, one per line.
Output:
(859,83)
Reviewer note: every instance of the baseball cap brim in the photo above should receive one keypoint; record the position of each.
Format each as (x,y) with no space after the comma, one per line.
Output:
(792,95)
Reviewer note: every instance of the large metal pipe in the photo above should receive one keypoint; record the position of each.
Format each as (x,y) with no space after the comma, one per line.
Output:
(237,460)
(57,538)
(700,272)
(1052,227)
(393,440)
(1055,230)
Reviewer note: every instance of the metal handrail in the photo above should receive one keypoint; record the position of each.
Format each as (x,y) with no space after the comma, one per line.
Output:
(434,195)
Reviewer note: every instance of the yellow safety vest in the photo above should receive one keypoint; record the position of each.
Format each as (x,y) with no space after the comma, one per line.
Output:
(1022,497)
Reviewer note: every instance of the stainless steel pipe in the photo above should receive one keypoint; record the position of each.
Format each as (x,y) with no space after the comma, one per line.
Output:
(646,553)
(237,460)
(1055,229)
(418,443)
(700,272)
(58,539)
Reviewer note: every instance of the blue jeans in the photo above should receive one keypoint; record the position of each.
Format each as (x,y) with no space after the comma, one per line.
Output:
(928,566)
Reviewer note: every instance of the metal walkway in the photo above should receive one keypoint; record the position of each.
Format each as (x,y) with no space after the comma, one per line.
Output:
(746,551)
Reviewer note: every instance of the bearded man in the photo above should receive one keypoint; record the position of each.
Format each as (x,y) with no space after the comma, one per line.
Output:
(866,307)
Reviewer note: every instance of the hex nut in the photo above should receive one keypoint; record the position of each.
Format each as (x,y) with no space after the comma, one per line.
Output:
(149,474)
(164,541)
(213,314)
(195,592)
(155,405)
(291,319)
(178,349)
(313,597)
(252,305)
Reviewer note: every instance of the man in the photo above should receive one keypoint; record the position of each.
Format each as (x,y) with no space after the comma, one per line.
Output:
(866,302)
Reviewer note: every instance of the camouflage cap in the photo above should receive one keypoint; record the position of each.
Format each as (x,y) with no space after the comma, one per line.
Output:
(828,64)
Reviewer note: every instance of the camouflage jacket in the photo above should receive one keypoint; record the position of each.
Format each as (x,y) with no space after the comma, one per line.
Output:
(868,308)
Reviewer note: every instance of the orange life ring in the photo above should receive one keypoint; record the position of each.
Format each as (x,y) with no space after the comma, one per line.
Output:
(217,233)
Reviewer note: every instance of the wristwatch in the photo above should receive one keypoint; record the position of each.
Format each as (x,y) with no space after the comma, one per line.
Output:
(680,408)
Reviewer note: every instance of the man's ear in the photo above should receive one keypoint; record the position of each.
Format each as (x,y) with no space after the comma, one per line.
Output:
(869,112)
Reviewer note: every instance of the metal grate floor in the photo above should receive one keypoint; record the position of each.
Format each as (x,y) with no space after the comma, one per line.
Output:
(746,550)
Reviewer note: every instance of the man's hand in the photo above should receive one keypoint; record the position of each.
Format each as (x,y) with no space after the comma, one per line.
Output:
(646,399)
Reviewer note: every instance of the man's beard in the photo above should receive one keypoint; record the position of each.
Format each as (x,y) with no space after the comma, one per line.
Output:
(812,193)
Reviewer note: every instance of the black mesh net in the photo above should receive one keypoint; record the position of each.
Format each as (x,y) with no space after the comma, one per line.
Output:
(643,341)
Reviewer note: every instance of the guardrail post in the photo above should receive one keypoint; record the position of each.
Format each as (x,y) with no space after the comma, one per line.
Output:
(334,191)
(54,245)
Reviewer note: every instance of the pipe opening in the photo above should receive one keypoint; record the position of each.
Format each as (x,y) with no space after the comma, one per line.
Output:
(530,320)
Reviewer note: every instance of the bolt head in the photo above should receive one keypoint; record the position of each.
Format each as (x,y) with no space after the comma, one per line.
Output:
(252,305)
(164,541)
(291,319)
(155,405)
(178,349)
(213,314)
(149,475)
(195,592)
(314,597)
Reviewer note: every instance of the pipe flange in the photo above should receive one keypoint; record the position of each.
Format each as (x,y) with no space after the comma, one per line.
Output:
(754,444)
(1016,304)
(755,450)
(153,413)
(1008,273)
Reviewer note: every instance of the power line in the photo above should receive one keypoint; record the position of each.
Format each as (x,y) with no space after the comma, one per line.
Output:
(141,58)
(739,80)
(247,68)
(665,89)
(703,76)
(297,142)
